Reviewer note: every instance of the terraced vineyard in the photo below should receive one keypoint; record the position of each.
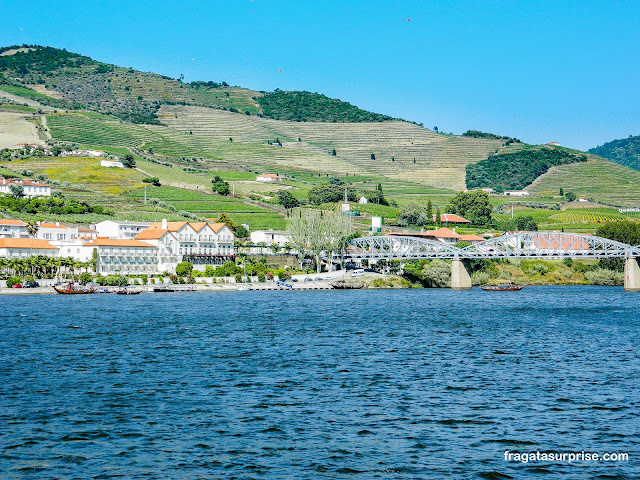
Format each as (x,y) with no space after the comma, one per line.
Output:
(599,179)
(590,215)
(439,159)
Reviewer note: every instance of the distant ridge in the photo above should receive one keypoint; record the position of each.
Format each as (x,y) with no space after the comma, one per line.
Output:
(625,151)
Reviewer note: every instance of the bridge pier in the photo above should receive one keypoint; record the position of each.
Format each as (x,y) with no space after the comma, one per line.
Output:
(631,275)
(460,277)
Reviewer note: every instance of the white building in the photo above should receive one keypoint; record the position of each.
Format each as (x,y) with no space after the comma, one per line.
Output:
(363,200)
(55,231)
(167,245)
(516,193)
(26,247)
(111,163)
(120,229)
(31,188)
(122,257)
(13,228)
(199,243)
(270,237)
(268,177)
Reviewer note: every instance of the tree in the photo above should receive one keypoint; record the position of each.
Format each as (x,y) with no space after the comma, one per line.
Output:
(430,211)
(326,193)
(287,200)
(380,187)
(412,214)
(224,218)
(242,232)
(333,152)
(16,190)
(184,269)
(373,156)
(561,192)
(314,232)
(527,224)
(474,206)
(624,232)
(570,196)
(435,129)
(220,186)
(438,217)
(155,181)
(128,161)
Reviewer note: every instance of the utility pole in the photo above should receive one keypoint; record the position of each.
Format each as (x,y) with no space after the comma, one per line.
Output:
(145,194)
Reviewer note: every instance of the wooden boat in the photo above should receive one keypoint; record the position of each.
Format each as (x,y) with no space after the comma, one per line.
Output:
(342,285)
(71,288)
(507,287)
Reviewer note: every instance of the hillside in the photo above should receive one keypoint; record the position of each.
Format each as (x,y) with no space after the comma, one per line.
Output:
(64,79)
(625,151)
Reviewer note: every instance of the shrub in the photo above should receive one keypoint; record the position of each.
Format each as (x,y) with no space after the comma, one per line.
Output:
(601,276)
(13,281)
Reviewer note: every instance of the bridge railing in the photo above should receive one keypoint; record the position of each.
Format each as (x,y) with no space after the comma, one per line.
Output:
(521,244)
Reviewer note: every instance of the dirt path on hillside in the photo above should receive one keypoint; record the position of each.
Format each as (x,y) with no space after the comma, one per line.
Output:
(15,129)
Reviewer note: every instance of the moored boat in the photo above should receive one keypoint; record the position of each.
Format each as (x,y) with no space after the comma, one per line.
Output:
(342,285)
(128,291)
(507,287)
(71,288)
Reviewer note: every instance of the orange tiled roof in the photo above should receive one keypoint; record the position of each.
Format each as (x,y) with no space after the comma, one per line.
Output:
(151,234)
(171,226)
(198,226)
(51,225)
(4,221)
(112,242)
(216,227)
(25,243)
(441,233)
(471,238)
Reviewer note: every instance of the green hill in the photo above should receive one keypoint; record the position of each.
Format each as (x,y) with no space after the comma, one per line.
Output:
(625,151)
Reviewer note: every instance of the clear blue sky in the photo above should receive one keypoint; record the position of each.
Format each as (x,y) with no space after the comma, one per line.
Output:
(536,70)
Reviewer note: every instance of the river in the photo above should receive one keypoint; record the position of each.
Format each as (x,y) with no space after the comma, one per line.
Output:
(400,384)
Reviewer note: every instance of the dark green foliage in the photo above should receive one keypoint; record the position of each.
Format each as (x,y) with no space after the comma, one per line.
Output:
(241,232)
(429,211)
(220,186)
(561,192)
(625,151)
(56,205)
(479,134)
(336,181)
(153,180)
(327,193)
(526,224)
(473,205)
(413,214)
(375,196)
(302,106)
(625,232)
(615,264)
(570,196)
(128,161)
(514,171)
(287,200)
(184,269)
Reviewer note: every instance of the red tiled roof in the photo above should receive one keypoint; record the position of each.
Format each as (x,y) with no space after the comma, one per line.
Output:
(25,243)
(5,221)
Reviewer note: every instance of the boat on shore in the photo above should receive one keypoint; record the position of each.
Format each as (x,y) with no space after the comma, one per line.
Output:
(507,287)
(342,285)
(173,288)
(72,288)
(128,291)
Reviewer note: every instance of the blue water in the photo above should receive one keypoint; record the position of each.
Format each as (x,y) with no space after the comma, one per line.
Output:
(400,384)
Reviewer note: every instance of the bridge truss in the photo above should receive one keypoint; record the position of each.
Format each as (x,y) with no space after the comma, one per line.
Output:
(517,245)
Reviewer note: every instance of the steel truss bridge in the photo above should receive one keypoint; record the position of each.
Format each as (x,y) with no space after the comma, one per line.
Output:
(517,245)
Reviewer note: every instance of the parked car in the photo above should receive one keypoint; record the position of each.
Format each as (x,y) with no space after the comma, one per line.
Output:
(32,285)
(294,279)
(308,279)
(16,285)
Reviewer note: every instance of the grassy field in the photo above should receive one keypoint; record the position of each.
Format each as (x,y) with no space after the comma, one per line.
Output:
(84,171)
